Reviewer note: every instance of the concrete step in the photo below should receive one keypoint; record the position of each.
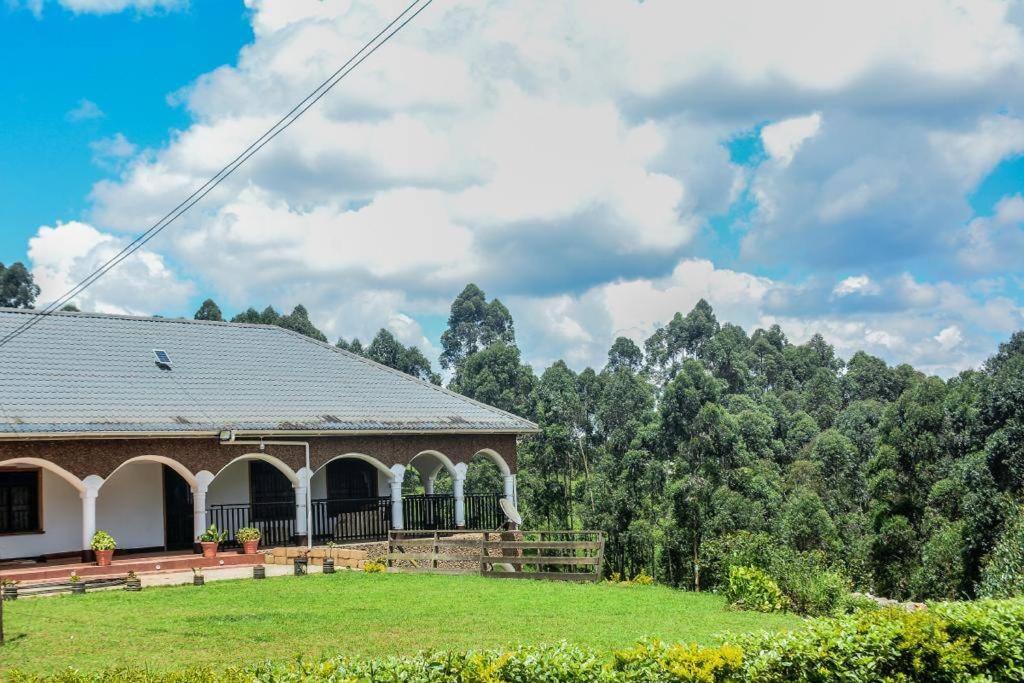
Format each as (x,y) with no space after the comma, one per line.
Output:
(61,572)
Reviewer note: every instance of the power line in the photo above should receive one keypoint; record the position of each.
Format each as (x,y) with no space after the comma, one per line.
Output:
(371,46)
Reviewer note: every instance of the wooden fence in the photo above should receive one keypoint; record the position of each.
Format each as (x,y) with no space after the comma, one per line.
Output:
(550,555)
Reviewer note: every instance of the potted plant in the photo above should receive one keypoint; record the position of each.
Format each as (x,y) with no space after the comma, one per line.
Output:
(132,582)
(249,537)
(9,589)
(77,587)
(197,576)
(103,544)
(210,539)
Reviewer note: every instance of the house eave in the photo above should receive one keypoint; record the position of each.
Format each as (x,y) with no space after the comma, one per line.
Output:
(203,434)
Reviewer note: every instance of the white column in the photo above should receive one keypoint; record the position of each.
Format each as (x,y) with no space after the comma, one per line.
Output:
(300,508)
(397,518)
(458,487)
(428,485)
(88,516)
(200,522)
(510,486)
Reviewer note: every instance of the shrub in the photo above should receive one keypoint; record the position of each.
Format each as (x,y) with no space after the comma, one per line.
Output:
(247,533)
(1003,573)
(886,645)
(752,588)
(372,567)
(212,535)
(101,540)
(810,588)
(974,642)
(655,662)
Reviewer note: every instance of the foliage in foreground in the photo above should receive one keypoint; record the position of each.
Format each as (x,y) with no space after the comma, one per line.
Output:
(982,641)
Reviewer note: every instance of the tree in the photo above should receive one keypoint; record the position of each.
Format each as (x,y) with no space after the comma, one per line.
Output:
(18,289)
(496,376)
(474,324)
(841,470)
(868,378)
(624,353)
(387,350)
(355,346)
(683,337)
(554,458)
(804,523)
(209,310)
(298,321)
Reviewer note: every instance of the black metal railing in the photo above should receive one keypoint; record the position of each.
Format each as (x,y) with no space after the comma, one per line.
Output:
(276,521)
(429,512)
(483,511)
(351,519)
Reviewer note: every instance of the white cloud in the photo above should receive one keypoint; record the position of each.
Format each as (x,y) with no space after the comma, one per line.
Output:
(85,110)
(63,255)
(569,158)
(111,152)
(995,243)
(783,139)
(949,337)
(856,284)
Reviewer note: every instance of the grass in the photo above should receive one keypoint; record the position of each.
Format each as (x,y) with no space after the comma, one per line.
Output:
(239,621)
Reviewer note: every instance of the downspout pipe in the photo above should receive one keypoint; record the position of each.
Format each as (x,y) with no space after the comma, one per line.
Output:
(262,443)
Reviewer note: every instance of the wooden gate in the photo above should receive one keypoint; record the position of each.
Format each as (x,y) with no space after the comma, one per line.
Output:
(550,555)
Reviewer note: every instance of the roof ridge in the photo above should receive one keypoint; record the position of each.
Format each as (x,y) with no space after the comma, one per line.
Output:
(412,378)
(126,316)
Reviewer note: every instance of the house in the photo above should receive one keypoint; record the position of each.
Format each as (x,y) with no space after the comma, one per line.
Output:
(153,428)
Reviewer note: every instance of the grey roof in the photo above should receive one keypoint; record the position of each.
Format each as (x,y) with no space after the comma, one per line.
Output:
(87,372)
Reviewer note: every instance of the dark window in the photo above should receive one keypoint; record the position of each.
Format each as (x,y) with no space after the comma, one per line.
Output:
(19,501)
(349,480)
(270,492)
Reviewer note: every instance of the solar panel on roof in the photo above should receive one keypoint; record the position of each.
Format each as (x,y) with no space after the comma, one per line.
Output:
(162,358)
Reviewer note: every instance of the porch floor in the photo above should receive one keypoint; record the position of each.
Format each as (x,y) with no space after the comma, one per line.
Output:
(140,563)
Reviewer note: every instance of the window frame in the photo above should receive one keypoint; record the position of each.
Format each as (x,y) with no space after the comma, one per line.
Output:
(40,522)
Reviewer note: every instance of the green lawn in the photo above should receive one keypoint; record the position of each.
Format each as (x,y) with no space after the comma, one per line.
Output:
(233,622)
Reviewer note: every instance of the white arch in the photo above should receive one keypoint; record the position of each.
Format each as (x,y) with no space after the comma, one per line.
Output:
(388,472)
(164,460)
(498,460)
(293,477)
(439,457)
(47,465)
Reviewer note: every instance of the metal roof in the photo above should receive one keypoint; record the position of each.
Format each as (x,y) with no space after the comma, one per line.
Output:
(96,373)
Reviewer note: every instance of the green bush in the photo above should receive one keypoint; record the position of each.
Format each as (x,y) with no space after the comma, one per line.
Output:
(372,567)
(969,642)
(656,662)
(247,533)
(1003,573)
(752,588)
(810,586)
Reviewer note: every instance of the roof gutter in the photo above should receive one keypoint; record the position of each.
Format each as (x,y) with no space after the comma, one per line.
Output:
(182,434)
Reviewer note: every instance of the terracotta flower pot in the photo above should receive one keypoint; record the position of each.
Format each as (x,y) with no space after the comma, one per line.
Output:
(249,547)
(209,548)
(103,557)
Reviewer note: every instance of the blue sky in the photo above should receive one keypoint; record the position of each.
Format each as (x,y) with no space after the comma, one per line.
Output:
(126,64)
(596,165)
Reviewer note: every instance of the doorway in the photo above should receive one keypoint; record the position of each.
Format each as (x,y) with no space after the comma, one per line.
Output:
(178,512)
